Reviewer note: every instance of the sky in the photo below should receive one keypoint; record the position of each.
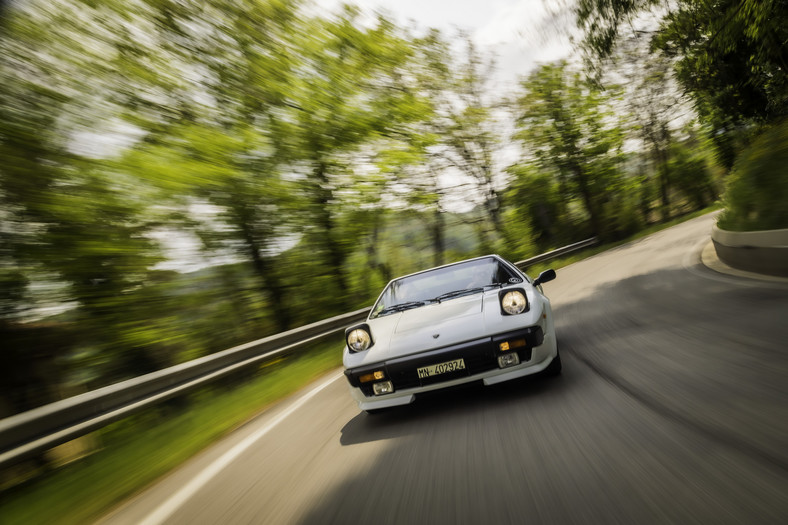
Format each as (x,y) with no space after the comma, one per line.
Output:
(517,31)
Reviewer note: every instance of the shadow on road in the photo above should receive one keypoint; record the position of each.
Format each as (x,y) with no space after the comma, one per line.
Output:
(671,409)
(450,404)
(706,353)
(547,450)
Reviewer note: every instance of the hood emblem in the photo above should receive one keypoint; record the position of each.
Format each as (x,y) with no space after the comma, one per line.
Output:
(435,336)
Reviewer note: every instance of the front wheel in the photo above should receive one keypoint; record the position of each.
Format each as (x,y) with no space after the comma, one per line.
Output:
(554,368)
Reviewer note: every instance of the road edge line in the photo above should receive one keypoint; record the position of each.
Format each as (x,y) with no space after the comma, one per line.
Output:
(174,502)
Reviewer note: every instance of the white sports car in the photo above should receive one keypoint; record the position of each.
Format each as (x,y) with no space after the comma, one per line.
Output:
(476,320)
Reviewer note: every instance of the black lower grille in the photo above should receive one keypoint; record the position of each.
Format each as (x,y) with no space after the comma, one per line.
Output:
(479,356)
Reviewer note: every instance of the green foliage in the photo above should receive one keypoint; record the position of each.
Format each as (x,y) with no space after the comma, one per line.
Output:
(691,176)
(347,95)
(521,240)
(757,190)
(653,105)
(536,200)
(462,124)
(621,213)
(316,158)
(731,53)
(472,136)
(601,20)
(136,452)
(570,128)
(69,220)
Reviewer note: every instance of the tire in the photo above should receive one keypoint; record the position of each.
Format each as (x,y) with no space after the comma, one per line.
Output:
(554,368)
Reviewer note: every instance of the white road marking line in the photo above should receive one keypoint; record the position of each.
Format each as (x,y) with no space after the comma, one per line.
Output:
(166,509)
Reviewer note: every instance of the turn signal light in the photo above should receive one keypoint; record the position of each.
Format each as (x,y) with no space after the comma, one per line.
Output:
(508,345)
(377,374)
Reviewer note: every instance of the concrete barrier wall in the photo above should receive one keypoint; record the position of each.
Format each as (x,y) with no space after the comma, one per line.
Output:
(759,251)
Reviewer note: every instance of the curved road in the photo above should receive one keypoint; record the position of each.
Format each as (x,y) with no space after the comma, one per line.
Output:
(673,408)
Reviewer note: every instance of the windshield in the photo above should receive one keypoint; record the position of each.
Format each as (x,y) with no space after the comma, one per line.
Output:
(440,283)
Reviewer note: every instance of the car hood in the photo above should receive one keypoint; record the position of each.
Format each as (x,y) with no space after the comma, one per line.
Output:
(427,327)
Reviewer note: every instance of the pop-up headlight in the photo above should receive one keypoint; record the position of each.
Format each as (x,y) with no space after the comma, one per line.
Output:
(513,302)
(358,338)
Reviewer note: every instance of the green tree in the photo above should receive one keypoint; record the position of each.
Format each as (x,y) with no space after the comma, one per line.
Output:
(469,131)
(347,95)
(691,176)
(66,218)
(654,105)
(569,128)
(471,135)
(416,160)
(730,56)
(414,171)
(731,53)
(450,150)
(231,172)
(535,197)
(757,190)
(211,139)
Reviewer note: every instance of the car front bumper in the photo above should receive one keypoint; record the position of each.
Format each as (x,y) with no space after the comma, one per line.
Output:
(480,357)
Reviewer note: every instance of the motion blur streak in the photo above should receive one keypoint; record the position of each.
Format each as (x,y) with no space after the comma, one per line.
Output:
(671,409)
(165,510)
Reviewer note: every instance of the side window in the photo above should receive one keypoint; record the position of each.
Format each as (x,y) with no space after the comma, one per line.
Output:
(506,276)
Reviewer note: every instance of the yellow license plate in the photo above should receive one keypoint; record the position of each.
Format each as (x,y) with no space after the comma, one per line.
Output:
(441,368)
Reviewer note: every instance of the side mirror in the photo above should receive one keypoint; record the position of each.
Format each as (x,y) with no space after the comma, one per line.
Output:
(545,276)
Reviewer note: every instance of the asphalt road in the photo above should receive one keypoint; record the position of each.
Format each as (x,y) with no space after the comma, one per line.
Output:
(673,408)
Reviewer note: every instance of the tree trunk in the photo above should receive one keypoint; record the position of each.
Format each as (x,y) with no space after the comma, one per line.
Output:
(664,186)
(325,223)
(544,224)
(438,240)
(588,200)
(374,260)
(269,280)
(494,210)
(660,144)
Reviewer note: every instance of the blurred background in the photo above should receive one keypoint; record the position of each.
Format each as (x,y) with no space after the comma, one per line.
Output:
(178,177)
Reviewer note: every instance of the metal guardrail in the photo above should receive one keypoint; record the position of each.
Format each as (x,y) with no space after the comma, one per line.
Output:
(523,265)
(29,433)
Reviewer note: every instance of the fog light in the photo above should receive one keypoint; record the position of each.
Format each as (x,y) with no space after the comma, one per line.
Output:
(384,387)
(507,360)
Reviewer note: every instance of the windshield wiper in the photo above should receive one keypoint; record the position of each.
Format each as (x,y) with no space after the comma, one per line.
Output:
(457,293)
(466,291)
(401,307)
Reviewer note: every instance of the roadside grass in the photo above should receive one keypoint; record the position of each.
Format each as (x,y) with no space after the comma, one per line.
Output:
(560,262)
(138,451)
